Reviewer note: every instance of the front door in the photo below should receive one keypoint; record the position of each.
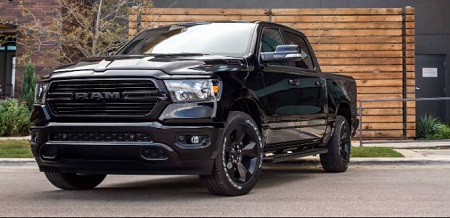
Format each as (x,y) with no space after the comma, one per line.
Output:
(281,95)
(430,83)
(312,93)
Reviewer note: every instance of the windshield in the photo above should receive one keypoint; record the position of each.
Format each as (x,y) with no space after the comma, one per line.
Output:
(229,39)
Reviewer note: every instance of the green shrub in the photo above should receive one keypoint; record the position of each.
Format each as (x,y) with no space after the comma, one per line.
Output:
(443,134)
(14,118)
(428,126)
(28,85)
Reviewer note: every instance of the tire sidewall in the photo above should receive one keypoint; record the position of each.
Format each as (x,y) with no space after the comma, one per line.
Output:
(239,118)
(341,122)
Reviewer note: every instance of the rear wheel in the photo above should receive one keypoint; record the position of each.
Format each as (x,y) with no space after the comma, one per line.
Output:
(72,181)
(338,156)
(238,164)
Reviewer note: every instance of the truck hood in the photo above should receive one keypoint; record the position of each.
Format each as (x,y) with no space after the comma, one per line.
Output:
(170,64)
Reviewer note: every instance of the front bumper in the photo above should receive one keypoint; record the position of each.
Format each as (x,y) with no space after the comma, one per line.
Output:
(103,148)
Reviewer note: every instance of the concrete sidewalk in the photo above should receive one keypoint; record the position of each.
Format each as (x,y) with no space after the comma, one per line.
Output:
(404,144)
(16,138)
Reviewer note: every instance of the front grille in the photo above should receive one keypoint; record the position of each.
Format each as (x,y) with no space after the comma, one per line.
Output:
(102,97)
(100,137)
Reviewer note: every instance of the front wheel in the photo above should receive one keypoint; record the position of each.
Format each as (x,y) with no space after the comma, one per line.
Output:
(338,156)
(238,164)
(73,181)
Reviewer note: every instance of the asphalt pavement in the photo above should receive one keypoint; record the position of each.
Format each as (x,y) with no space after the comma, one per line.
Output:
(417,185)
(287,189)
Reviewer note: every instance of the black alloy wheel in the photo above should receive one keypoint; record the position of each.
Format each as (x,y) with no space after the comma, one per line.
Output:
(238,165)
(241,154)
(338,157)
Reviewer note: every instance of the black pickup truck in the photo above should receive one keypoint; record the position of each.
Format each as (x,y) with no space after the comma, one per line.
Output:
(211,99)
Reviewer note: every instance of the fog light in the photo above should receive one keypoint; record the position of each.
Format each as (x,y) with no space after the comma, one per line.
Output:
(34,138)
(49,152)
(154,154)
(195,139)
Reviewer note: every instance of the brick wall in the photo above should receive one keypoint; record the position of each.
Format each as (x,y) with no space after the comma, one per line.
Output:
(13,12)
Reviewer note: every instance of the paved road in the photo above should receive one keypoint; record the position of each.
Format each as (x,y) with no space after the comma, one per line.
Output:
(283,190)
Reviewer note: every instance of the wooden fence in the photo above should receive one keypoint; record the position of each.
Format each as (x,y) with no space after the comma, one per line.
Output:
(373,45)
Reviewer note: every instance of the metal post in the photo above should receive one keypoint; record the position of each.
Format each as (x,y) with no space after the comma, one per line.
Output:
(360,123)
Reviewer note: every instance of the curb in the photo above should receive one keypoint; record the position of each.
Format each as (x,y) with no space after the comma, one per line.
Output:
(375,162)
(30,162)
(19,162)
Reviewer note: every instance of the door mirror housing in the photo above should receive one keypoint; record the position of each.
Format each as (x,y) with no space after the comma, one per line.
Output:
(283,53)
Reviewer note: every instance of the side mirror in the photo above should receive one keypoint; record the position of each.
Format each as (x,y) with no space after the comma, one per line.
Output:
(283,53)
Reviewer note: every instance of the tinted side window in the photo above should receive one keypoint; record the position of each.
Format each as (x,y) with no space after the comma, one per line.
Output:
(270,39)
(298,40)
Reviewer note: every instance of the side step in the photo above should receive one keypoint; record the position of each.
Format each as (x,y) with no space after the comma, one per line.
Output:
(289,156)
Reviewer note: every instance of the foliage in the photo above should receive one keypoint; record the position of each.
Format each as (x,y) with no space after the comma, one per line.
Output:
(15,149)
(374,152)
(443,134)
(28,85)
(428,126)
(14,118)
(83,28)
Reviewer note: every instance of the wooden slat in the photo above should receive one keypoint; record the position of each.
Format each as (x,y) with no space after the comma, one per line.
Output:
(325,18)
(349,25)
(368,68)
(378,96)
(411,134)
(358,54)
(385,112)
(378,90)
(341,11)
(384,119)
(189,18)
(409,10)
(409,25)
(357,47)
(204,11)
(382,105)
(375,32)
(385,126)
(409,18)
(383,134)
(359,61)
(354,39)
(374,76)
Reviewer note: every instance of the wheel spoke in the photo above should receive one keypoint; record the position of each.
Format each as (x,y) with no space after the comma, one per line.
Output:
(344,154)
(229,165)
(249,150)
(241,131)
(244,173)
(345,140)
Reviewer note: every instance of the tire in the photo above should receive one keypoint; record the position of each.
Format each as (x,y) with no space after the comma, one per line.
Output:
(338,157)
(238,165)
(72,181)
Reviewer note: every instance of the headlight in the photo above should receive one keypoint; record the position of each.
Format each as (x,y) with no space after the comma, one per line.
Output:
(194,90)
(39,93)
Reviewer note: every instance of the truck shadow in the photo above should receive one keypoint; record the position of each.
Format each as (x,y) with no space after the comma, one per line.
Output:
(157,188)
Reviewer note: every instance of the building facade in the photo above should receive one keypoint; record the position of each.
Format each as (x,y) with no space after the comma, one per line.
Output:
(11,17)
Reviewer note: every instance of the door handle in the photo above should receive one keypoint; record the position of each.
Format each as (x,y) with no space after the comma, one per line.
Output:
(319,84)
(294,82)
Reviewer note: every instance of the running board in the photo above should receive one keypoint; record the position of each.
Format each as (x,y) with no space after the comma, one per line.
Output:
(289,156)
